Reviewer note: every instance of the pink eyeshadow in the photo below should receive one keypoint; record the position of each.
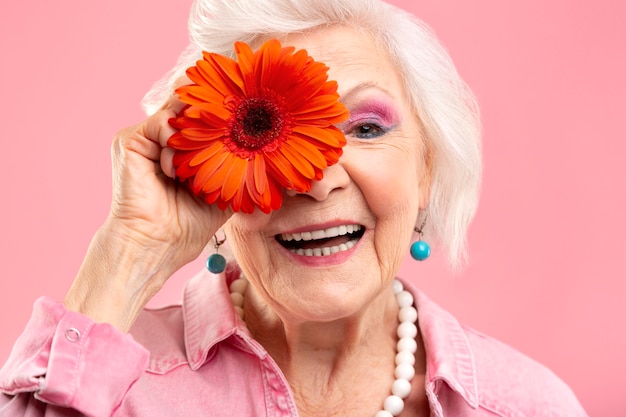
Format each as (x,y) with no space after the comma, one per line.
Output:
(375,109)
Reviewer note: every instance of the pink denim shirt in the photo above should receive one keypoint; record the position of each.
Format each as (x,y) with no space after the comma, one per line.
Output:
(198,359)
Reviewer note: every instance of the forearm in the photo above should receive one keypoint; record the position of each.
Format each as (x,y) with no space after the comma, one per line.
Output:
(119,275)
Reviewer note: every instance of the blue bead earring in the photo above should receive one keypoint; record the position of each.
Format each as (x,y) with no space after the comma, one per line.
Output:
(216,263)
(420,250)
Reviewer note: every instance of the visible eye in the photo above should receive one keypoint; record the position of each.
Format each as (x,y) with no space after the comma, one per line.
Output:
(367,131)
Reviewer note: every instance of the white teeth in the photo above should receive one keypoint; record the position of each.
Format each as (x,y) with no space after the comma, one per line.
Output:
(325,251)
(318,234)
(321,234)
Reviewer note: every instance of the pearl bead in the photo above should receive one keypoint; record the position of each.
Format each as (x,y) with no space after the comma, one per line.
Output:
(407,344)
(405,299)
(407,329)
(407,314)
(405,356)
(239,286)
(394,404)
(405,371)
(383,413)
(237,299)
(401,388)
(397,286)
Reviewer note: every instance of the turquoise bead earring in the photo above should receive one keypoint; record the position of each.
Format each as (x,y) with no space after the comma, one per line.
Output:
(420,250)
(216,263)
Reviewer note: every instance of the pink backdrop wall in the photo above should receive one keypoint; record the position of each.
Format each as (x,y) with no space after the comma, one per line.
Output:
(547,271)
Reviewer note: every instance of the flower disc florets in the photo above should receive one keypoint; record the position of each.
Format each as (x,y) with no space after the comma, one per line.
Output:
(258,124)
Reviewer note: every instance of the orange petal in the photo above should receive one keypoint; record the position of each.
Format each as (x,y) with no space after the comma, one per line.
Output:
(202,134)
(245,58)
(308,151)
(297,160)
(230,71)
(214,115)
(212,197)
(262,199)
(196,94)
(259,173)
(207,175)
(314,104)
(180,143)
(181,162)
(196,76)
(276,195)
(285,174)
(215,76)
(243,201)
(329,136)
(207,153)
(334,114)
(209,76)
(234,178)
(266,58)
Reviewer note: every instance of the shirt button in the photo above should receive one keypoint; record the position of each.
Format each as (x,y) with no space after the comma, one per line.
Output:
(72,334)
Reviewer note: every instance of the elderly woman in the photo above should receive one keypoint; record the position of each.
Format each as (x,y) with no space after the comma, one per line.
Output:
(320,138)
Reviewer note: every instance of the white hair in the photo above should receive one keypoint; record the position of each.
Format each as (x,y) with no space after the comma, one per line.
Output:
(440,99)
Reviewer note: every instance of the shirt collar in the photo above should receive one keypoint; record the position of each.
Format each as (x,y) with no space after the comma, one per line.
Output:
(449,357)
(207,297)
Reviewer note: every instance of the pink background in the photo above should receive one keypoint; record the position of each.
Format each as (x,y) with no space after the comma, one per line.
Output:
(547,271)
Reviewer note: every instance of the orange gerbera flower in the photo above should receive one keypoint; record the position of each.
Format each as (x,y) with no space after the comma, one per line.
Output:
(255,126)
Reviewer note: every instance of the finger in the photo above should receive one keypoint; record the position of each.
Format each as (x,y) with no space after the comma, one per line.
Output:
(157,127)
(167,162)
(131,141)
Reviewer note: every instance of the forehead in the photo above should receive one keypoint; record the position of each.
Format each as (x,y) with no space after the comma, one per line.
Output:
(354,57)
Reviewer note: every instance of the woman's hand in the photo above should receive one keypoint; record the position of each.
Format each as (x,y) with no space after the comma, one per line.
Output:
(155,226)
(148,206)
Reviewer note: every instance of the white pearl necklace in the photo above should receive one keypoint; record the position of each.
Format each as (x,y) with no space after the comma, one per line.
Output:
(405,349)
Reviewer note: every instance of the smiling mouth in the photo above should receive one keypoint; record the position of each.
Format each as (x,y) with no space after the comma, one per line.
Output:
(322,242)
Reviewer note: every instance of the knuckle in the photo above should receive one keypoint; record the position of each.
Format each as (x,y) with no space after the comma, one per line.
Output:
(162,117)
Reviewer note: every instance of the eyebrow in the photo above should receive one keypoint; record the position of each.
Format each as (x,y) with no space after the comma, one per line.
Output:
(363,86)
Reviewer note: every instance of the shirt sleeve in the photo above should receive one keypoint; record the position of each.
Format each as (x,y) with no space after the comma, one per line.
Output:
(64,359)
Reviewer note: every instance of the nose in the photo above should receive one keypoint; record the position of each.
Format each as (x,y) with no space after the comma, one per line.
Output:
(335,178)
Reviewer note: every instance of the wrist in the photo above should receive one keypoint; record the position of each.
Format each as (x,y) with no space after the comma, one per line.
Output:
(120,273)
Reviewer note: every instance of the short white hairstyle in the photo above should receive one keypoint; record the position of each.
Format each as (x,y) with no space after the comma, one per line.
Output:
(440,98)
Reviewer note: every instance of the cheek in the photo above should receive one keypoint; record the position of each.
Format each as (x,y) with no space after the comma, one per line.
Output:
(243,232)
(390,185)
(389,182)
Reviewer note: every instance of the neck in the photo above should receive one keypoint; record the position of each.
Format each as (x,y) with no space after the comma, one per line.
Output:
(341,367)
(327,345)
(327,363)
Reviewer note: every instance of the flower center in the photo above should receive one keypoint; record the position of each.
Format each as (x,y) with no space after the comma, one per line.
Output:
(257,123)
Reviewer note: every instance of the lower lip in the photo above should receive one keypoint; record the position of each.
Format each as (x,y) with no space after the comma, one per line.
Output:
(321,261)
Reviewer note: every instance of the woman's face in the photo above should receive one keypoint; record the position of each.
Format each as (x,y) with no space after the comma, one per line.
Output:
(370,199)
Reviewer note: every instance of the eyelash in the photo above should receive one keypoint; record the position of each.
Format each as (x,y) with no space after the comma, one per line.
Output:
(374,130)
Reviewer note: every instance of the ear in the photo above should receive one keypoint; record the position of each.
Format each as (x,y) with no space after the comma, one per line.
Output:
(425,172)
